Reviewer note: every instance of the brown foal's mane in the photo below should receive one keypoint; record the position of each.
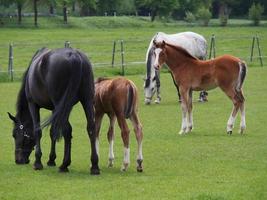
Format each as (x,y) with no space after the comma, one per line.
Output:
(182,50)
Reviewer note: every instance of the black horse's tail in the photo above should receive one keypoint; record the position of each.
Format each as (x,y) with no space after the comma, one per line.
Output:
(61,112)
(130,101)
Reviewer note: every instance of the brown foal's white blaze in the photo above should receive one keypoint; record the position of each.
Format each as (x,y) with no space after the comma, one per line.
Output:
(118,99)
(191,74)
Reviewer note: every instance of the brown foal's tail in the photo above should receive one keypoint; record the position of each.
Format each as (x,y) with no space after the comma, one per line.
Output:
(130,101)
(242,75)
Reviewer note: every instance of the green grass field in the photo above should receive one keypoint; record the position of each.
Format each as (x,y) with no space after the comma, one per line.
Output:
(204,165)
(95,36)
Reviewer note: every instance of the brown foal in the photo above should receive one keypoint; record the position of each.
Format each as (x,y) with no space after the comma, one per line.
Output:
(227,72)
(118,99)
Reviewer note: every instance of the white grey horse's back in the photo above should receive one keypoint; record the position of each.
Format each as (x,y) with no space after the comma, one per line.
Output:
(194,43)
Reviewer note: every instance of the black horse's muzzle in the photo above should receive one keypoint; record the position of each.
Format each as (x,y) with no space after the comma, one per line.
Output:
(22,156)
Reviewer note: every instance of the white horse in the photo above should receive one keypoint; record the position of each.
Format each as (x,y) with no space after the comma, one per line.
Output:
(194,43)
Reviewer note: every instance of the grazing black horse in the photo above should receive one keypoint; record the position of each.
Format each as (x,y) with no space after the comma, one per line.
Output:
(55,80)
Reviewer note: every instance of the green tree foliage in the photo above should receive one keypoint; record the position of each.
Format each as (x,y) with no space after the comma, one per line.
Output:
(189,17)
(255,13)
(158,7)
(107,6)
(204,15)
(87,7)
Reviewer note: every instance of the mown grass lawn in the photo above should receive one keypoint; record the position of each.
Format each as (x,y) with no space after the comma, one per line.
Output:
(206,164)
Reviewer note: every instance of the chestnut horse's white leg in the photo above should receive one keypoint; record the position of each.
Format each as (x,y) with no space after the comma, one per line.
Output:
(139,137)
(242,110)
(110,136)
(98,121)
(184,106)
(231,120)
(125,137)
(243,119)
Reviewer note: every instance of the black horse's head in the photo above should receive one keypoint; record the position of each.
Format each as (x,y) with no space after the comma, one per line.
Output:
(24,140)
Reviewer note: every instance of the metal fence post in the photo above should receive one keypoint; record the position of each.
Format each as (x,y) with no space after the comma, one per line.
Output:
(10,62)
(113,53)
(122,59)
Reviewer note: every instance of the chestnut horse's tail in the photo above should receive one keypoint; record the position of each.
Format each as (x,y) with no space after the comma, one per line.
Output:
(242,75)
(130,101)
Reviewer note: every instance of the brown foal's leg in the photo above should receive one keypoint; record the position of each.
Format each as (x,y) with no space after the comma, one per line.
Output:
(190,113)
(184,105)
(110,136)
(242,110)
(98,121)
(125,137)
(139,137)
(231,93)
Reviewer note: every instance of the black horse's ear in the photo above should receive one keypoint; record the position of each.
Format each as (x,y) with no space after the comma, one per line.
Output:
(12,117)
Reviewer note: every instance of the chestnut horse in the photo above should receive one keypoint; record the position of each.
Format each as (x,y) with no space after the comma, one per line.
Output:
(118,99)
(192,74)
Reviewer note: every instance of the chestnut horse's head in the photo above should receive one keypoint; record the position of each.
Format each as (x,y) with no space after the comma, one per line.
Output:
(160,54)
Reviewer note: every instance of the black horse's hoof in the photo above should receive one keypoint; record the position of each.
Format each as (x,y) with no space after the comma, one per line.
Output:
(38,166)
(95,171)
(63,169)
(229,132)
(51,163)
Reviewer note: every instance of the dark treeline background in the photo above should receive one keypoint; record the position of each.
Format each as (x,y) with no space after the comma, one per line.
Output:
(155,8)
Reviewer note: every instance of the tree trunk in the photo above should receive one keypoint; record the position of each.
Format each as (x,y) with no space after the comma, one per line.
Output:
(73,6)
(153,15)
(65,12)
(51,9)
(224,12)
(19,12)
(35,12)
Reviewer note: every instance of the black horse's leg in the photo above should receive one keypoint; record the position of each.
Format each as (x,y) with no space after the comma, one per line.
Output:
(88,107)
(34,110)
(67,148)
(52,155)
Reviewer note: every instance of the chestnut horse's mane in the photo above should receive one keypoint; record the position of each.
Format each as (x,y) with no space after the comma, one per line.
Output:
(100,79)
(182,50)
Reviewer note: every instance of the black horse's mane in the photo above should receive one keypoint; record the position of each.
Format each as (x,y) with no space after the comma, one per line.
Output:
(22,103)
